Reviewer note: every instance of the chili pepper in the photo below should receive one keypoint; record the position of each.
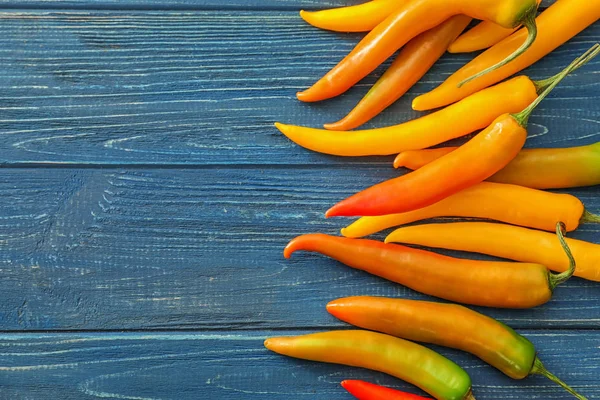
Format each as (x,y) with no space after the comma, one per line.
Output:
(358,18)
(535,168)
(406,360)
(447,325)
(559,23)
(484,35)
(409,20)
(506,241)
(415,159)
(481,157)
(368,391)
(473,113)
(511,204)
(483,283)
(413,61)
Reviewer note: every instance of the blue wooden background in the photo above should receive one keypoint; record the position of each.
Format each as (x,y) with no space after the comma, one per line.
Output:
(145,200)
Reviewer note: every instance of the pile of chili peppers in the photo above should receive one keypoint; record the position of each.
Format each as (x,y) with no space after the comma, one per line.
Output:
(490,177)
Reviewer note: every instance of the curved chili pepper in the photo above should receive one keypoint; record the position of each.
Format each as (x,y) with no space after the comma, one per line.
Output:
(406,360)
(447,325)
(483,283)
(475,161)
(471,114)
(506,241)
(413,61)
(559,23)
(484,35)
(535,168)
(409,20)
(511,204)
(358,18)
(368,391)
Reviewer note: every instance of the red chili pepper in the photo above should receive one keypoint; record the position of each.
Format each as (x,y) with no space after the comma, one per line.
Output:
(481,157)
(368,391)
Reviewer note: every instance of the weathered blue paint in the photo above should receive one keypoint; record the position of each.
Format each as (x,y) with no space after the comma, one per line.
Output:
(146,191)
(186,4)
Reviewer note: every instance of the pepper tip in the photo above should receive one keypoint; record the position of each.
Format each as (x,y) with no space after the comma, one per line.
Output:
(330,213)
(332,307)
(288,251)
(398,161)
(416,103)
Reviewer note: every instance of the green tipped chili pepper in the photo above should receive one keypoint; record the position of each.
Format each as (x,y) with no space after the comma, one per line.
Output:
(406,360)
(447,325)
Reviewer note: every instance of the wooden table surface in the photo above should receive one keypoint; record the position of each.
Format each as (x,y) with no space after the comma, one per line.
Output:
(146,197)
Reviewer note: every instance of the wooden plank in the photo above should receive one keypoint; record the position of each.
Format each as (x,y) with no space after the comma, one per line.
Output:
(198,249)
(186,4)
(182,366)
(198,88)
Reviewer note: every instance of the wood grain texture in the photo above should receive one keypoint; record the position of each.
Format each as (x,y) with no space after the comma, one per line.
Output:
(148,199)
(198,249)
(187,4)
(186,366)
(203,88)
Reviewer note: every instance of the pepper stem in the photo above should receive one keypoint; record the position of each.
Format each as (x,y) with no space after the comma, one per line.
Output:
(523,116)
(589,218)
(557,279)
(538,368)
(529,24)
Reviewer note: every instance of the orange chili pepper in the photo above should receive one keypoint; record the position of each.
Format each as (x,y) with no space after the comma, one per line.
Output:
(367,391)
(471,114)
(475,161)
(414,60)
(511,204)
(358,18)
(559,23)
(447,325)
(484,35)
(409,20)
(415,159)
(506,241)
(482,283)
(406,360)
(535,168)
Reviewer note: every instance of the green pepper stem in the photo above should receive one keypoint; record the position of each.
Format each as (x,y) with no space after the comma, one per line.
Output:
(529,24)
(538,368)
(557,279)
(542,84)
(523,116)
(588,217)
